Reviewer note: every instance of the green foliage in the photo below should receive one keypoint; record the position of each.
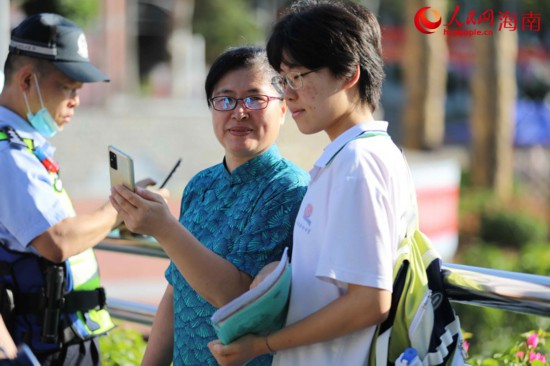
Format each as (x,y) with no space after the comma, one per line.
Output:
(482,254)
(475,200)
(512,224)
(122,347)
(82,12)
(529,350)
(535,258)
(511,228)
(494,329)
(224,24)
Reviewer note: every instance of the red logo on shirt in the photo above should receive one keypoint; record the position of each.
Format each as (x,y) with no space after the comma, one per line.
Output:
(307,213)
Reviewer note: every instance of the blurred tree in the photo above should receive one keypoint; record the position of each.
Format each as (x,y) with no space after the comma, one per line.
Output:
(82,12)
(425,78)
(494,91)
(224,24)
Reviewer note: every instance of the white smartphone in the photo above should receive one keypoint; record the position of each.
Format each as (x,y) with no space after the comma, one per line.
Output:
(121,168)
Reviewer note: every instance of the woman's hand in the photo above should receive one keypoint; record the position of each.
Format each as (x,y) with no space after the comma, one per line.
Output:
(268,268)
(143,211)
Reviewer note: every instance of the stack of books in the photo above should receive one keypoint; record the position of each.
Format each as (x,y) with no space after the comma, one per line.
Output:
(260,310)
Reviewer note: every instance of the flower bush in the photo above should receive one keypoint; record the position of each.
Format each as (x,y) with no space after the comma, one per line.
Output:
(530,350)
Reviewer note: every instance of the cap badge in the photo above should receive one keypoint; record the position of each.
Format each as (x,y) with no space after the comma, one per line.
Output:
(82,46)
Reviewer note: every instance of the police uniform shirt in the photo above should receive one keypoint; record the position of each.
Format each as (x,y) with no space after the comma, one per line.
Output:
(28,203)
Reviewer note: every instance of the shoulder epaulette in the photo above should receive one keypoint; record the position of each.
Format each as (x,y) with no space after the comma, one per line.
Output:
(8,133)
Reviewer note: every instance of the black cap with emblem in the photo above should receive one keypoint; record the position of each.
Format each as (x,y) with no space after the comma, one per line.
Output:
(55,38)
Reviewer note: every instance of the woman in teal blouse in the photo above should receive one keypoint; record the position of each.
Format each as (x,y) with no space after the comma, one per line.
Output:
(235,217)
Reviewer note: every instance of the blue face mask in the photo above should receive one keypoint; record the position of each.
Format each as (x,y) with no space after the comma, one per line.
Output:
(42,120)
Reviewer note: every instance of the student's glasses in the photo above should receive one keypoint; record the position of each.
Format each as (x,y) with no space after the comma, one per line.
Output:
(293,79)
(253,102)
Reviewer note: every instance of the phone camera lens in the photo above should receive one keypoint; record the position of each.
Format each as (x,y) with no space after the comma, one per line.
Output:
(113,160)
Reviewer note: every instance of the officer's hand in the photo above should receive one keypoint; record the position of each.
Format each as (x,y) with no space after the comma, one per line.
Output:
(149,184)
(144,183)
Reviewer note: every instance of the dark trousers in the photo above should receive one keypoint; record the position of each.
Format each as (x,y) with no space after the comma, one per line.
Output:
(81,354)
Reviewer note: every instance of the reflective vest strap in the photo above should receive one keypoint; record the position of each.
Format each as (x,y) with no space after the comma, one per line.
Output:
(28,142)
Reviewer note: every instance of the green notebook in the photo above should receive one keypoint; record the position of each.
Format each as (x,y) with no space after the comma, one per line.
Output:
(260,310)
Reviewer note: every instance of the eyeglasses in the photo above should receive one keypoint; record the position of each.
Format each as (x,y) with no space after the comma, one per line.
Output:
(253,102)
(293,79)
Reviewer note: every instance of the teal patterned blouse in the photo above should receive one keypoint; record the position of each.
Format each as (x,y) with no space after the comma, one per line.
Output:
(246,217)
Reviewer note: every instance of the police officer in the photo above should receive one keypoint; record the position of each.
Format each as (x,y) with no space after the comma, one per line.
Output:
(49,285)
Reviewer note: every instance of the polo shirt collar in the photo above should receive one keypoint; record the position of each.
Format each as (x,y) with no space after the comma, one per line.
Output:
(346,137)
(24,129)
(257,167)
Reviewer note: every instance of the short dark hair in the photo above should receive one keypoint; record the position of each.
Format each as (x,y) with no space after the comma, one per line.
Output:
(338,35)
(14,62)
(234,59)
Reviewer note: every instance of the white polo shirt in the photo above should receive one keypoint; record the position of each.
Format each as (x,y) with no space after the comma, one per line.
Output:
(350,223)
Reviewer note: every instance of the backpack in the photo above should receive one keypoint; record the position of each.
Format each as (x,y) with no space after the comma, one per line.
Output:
(421,315)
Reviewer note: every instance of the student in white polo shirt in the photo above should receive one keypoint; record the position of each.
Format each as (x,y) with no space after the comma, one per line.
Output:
(355,211)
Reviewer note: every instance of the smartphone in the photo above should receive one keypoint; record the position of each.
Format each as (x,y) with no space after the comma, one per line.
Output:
(121,168)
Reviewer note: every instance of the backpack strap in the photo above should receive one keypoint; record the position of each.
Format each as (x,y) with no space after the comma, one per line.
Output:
(361,136)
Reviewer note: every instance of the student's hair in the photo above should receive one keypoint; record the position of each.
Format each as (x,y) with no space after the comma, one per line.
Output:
(338,35)
(235,59)
(15,62)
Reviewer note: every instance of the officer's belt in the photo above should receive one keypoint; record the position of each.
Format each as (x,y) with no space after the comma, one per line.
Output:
(71,302)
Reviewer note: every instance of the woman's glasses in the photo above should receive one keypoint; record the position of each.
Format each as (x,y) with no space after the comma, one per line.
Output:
(253,102)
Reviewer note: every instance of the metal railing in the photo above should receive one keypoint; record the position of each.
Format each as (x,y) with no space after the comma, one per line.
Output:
(514,291)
